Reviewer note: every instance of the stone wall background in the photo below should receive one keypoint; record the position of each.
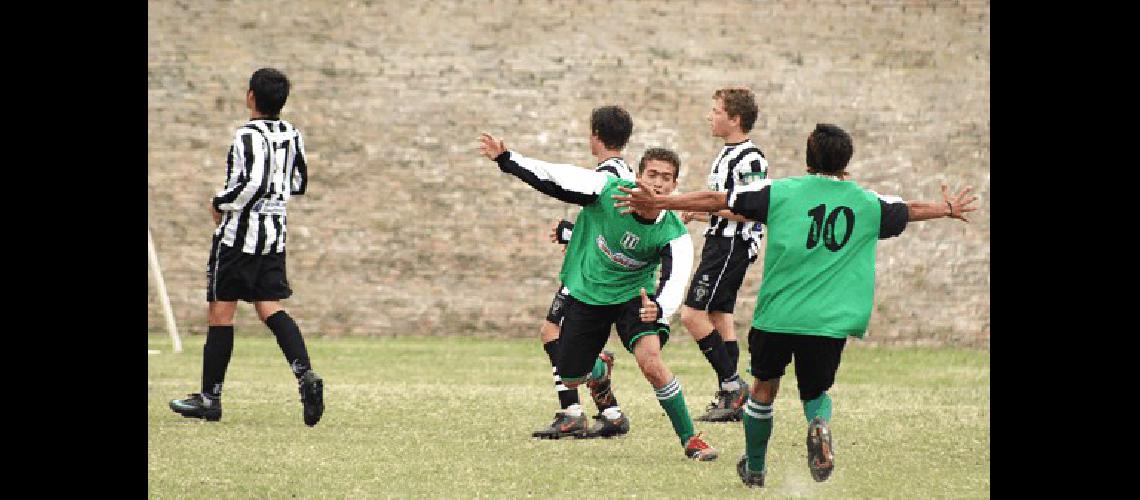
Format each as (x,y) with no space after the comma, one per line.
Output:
(407,231)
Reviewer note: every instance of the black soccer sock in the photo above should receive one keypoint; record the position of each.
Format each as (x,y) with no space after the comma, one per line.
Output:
(290,341)
(215,358)
(566,395)
(733,353)
(712,346)
(605,396)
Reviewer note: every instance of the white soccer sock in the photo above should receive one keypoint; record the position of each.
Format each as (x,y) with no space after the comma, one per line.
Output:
(612,412)
(731,385)
(574,410)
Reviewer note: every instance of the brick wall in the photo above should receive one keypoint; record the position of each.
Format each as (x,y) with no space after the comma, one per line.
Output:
(407,231)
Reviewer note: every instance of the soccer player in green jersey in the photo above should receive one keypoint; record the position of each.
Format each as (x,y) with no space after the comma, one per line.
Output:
(610,264)
(819,279)
(610,128)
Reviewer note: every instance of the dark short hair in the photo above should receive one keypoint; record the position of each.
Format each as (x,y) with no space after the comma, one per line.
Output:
(612,125)
(270,90)
(739,101)
(829,149)
(663,155)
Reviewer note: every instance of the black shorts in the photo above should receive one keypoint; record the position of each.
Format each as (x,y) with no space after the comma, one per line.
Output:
(233,275)
(719,274)
(586,327)
(554,315)
(817,359)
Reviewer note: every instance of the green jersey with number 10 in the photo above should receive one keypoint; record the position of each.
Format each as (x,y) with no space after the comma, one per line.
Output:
(819,265)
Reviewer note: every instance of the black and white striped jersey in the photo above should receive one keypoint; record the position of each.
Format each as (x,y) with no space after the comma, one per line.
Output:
(266,165)
(737,165)
(617,167)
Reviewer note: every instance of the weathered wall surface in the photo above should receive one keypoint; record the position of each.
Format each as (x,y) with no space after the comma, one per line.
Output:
(407,231)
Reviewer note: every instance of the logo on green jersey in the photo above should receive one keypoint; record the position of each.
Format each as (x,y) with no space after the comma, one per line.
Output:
(619,258)
(629,240)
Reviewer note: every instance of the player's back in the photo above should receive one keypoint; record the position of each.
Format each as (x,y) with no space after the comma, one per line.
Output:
(819,265)
(284,147)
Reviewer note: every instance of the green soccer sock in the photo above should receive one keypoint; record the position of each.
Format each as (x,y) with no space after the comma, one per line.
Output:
(599,370)
(673,401)
(818,407)
(757,431)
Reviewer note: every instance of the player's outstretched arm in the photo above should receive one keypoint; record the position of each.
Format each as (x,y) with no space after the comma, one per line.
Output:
(643,198)
(727,214)
(566,183)
(952,207)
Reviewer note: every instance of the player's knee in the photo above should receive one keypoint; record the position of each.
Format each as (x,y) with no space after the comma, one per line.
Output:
(722,322)
(649,361)
(220,320)
(221,313)
(646,354)
(267,309)
(691,318)
(764,391)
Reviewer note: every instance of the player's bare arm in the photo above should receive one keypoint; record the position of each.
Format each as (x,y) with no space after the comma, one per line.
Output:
(953,207)
(727,214)
(644,199)
(686,217)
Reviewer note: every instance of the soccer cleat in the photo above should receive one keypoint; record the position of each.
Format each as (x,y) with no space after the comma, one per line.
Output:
(715,408)
(198,406)
(726,406)
(606,427)
(750,479)
(312,389)
(821,455)
(563,426)
(698,449)
(600,390)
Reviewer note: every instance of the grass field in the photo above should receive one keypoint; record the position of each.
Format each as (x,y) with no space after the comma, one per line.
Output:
(451,417)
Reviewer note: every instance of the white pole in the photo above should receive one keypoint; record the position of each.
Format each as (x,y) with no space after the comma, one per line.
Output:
(152,258)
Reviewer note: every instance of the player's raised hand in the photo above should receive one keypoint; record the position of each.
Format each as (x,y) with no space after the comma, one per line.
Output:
(641,198)
(490,147)
(961,203)
(648,309)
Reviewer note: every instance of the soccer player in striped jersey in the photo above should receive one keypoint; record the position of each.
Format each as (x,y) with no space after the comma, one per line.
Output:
(610,262)
(731,244)
(819,280)
(610,128)
(266,166)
